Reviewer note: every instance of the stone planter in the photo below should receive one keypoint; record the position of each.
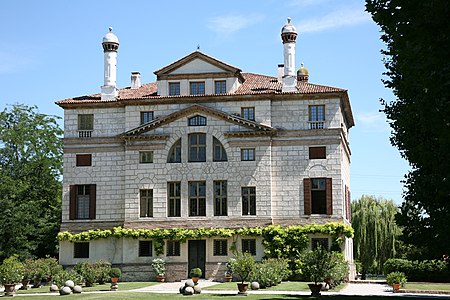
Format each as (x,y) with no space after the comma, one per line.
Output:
(228,278)
(315,289)
(10,289)
(242,287)
(396,287)
(161,278)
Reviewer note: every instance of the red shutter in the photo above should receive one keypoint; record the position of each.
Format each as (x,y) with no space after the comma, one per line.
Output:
(347,213)
(307,195)
(329,196)
(92,201)
(72,202)
(349,206)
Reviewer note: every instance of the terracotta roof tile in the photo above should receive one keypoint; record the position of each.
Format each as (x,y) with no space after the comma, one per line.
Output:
(253,84)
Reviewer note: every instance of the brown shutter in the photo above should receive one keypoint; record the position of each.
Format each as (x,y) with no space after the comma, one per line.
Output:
(329,195)
(317,152)
(92,201)
(83,160)
(349,206)
(347,213)
(72,202)
(307,195)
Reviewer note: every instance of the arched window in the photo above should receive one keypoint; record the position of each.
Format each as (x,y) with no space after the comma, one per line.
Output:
(219,153)
(175,153)
(197,121)
(197,147)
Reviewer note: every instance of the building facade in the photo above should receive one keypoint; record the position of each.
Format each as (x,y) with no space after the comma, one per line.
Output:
(205,146)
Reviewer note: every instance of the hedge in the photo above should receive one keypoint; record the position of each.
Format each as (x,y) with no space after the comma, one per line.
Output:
(425,270)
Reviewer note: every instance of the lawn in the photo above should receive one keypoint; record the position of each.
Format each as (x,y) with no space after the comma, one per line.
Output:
(427,286)
(123,286)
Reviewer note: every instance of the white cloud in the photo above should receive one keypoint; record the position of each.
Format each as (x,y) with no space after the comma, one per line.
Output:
(372,121)
(230,24)
(338,18)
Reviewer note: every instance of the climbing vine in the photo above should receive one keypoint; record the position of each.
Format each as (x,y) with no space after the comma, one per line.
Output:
(279,241)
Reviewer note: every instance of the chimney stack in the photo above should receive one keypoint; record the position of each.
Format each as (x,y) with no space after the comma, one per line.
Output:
(110,45)
(135,80)
(289,36)
(280,72)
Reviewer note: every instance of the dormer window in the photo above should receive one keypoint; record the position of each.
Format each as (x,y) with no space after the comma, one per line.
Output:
(174,88)
(197,121)
(220,87)
(197,88)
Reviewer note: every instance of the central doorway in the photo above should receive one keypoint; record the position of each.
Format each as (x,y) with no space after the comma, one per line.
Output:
(197,255)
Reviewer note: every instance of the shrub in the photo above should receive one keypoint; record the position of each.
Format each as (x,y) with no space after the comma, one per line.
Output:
(196,272)
(339,270)
(242,265)
(270,272)
(115,273)
(63,275)
(315,265)
(11,270)
(88,271)
(426,270)
(103,270)
(159,266)
(396,277)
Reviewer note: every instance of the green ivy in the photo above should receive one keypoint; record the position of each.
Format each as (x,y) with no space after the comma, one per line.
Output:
(279,241)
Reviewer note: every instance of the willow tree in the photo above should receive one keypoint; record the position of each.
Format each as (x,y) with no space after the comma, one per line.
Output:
(376,232)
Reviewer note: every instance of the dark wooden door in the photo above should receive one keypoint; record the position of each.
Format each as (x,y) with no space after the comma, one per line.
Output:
(197,255)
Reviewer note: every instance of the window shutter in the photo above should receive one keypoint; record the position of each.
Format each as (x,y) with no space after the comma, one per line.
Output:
(307,195)
(349,206)
(72,202)
(92,201)
(329,196)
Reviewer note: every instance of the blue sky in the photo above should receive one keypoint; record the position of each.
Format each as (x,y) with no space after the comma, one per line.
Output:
(51,50)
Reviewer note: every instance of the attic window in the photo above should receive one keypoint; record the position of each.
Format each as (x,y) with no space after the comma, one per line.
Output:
(197,88)
(197,121)
(174,88)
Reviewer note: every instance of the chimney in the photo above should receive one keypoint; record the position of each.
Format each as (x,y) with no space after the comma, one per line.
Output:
(280,72)
(135,80)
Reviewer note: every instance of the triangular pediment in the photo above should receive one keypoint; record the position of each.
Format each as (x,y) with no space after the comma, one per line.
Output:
(251,126)
(197,63)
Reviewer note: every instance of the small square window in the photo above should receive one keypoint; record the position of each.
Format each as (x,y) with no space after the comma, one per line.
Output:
(145,248)
(319,242)
(220,248)
(173,248)
(248,113)
(220,87)
(197,88)
(81,250)
(84,160)
(249,245)
(174,88)
(146,117)
(145,157)
(248,154)
(317,153)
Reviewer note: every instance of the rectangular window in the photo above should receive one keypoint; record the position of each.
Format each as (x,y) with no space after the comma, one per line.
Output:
(84,160)
(248,113)
(174,199)
(82,202)
(248,201)
(319,242)
(85,125)
(145,157)
(197,121)
(220,198)
(318,196)
(146,117)
(173,248)
(220,87)
(174,88)
(219,153)
(317,152)
(81,250)
(220,248)
(145,248)
(316,116)
(197,147)
(197,198)
(146,203)
(248,154)
(197,88)
(249,245)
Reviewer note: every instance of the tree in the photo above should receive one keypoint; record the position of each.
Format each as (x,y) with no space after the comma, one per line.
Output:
(376,232)
(417,37)
(30,182)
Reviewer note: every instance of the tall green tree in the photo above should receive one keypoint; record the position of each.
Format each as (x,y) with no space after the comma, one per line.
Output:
(417,37)
(376,232)
(30,182)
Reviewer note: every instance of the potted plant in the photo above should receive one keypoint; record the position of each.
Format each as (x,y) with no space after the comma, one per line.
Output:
(242,266)
(195,274)
(228,273)
(396,280)
(115,273)
(316,266)
(11,273)
(159,268)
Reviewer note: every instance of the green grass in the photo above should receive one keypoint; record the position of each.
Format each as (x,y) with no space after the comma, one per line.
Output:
(425,286)
(123,286)
(284,286)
